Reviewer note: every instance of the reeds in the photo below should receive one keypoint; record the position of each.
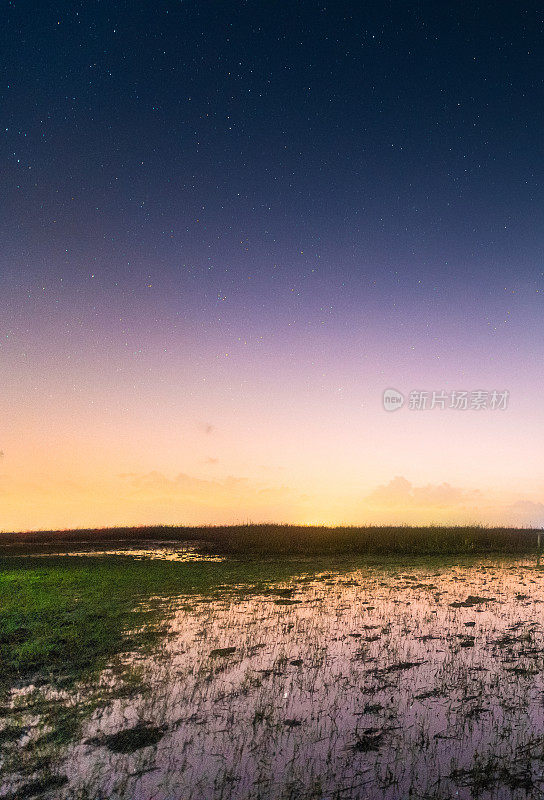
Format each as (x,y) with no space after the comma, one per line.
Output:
(272,539)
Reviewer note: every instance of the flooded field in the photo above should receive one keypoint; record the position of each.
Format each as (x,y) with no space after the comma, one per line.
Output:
(371,680)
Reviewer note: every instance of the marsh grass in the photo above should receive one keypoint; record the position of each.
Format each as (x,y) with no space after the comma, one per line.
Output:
(61,618)
(271,539)
(64,620)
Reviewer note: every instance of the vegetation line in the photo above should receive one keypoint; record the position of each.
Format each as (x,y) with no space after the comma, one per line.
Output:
(271,539)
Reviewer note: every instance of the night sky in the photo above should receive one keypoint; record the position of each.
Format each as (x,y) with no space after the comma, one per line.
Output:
(228,227)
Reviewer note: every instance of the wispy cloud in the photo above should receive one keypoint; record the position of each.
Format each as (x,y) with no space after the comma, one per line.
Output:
(400,492)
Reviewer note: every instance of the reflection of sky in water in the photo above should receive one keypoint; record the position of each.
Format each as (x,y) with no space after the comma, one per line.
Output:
(366,685)
(187,553)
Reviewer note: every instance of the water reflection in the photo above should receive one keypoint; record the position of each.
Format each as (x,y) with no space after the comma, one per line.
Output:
(372,684)
(175,553)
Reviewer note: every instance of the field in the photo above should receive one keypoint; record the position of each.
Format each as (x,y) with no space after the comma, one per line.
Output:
(171,670)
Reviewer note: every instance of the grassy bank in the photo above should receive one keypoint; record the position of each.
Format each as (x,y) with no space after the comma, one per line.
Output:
(262,540)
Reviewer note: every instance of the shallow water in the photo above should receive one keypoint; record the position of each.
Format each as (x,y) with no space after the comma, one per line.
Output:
(162,552)
(373,683)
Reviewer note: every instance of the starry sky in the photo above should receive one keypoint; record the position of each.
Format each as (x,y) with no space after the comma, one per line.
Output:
(228,227)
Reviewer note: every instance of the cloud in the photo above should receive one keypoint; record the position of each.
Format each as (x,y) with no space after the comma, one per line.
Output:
(44,500)
(527,512)
(181,483)
(400,492)
(187,491)
(400,502)
(396,491)
(144,498)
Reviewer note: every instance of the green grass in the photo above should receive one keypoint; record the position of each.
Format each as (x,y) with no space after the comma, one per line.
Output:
(61,618)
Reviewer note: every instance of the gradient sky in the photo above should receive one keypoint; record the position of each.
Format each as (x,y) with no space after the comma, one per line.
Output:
(227,227)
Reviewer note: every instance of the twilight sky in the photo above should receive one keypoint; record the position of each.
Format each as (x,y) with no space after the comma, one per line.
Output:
(228,227)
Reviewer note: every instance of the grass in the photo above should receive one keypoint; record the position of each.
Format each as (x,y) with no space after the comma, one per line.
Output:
(61,618)
(64,619)
(349,659)
(370,540)
(269,539)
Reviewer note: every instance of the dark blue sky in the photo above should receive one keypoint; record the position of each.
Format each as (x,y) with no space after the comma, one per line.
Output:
(198,133)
